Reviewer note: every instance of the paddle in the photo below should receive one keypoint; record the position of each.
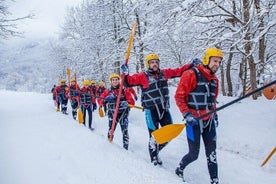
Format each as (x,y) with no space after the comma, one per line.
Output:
(168,132)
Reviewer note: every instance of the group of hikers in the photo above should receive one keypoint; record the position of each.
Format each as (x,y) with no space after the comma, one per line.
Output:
(195,96)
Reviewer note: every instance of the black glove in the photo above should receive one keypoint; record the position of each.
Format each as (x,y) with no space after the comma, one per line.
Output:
(109,98)
(196,61)
(216,122)
(124,104)
(190,119)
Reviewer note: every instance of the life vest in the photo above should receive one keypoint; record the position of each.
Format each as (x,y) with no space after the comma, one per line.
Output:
(73,91)
(112,104)
(62,92)
(157,94)
(203,96)
(85,96)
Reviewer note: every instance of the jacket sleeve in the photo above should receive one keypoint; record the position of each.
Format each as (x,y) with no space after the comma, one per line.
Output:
(176,72)
(128,97)
(186,84)
(102,97)
(138,79)
(132,91)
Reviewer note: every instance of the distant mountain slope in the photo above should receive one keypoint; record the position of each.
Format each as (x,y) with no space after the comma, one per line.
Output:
(26,67)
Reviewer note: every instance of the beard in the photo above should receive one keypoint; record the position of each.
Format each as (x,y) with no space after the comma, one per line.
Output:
(155,68)
(213,69)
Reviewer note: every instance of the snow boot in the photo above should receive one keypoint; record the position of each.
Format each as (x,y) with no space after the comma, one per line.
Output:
(214,181)
(180,172)
(156,160)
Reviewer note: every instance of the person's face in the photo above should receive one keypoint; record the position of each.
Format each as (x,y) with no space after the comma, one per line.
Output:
(214,64)
(115,82)
(154,64)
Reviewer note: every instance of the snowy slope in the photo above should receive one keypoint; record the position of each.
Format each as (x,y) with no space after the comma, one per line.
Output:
(39,145)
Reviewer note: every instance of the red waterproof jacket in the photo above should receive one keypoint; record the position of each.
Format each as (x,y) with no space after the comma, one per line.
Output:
(187,84)
(61,90)
(133,92)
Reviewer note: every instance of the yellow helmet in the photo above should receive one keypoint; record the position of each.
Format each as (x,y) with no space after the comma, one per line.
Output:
(101,83)
(114,75)
(62,81)
(93,82)
(210,52)
(72,80)
(86,82)
(151,57)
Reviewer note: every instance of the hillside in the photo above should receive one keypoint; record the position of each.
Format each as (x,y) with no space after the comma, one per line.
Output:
(39,145)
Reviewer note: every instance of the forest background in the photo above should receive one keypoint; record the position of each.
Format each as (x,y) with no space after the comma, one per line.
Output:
(93,37)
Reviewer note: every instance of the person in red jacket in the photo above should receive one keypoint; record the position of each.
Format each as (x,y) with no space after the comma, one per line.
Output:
(195,96)
(155,97)
(61,94)
(101,88)
(87,99)
(94,89)
(109,97)
(74,96)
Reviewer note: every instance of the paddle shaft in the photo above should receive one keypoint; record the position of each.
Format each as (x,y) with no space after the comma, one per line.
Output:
(236,100)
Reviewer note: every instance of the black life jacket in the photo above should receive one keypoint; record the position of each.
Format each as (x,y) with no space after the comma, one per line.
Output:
(112,104)
(203,96)
(86,97)
(73,92)
(62,92)
(156,96)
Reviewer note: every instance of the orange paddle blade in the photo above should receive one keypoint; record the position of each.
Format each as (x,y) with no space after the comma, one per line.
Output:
(80,116)
(135,106)
(167,133)
(101,112)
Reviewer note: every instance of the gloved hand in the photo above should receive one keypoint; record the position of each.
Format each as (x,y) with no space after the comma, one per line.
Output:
(94,106)
(196,61)
(124,69)
(190,119)
(110,98)
(136,98)
(124,104)
(216,122)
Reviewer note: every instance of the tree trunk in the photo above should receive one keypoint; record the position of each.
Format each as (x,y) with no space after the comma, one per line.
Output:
(141,44)
(248,46)
(116,28)
(222,79)
(228,74)
(261,52)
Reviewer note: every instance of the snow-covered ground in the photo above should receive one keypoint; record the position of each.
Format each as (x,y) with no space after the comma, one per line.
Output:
(41,146)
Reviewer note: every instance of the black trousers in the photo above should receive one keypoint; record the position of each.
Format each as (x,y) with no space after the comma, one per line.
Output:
(209,139)
(155,119)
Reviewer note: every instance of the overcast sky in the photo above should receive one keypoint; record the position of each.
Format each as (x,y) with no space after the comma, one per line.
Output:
(49,15)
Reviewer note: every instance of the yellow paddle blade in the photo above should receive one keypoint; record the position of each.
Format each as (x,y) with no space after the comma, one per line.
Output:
(80,116)
(167,133)
(268,157)
(101,112)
